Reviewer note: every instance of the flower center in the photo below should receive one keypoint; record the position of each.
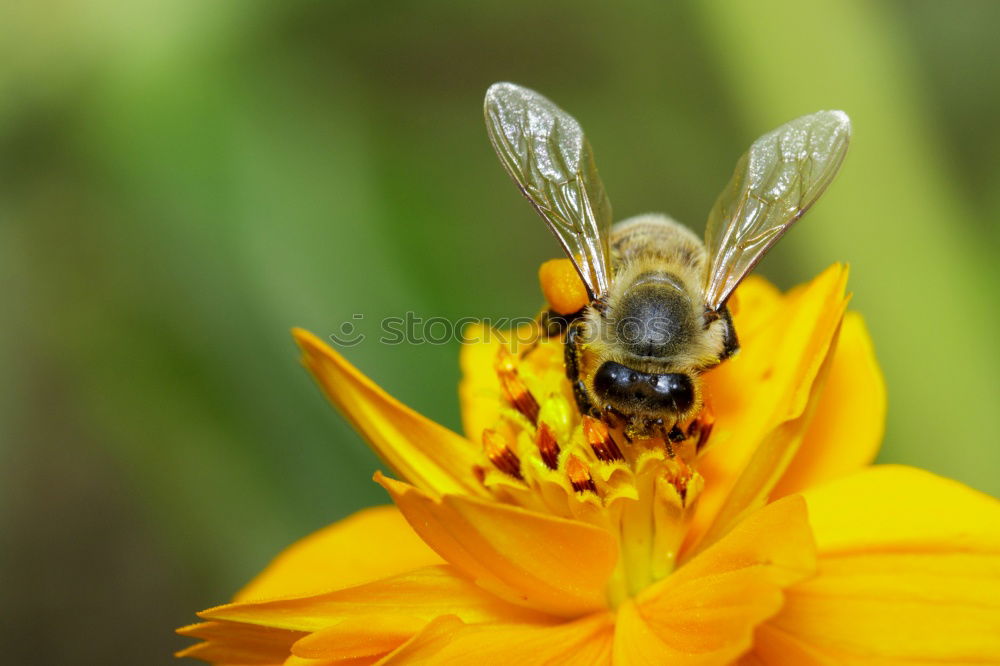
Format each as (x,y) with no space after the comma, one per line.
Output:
(543,455)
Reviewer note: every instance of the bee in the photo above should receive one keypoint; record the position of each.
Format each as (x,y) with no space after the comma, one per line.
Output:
(654,314)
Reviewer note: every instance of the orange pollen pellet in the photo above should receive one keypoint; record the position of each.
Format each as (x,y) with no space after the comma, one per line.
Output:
(548,447)
(500,454)
(599,438)
(514,389)
(562,286)
(579,476)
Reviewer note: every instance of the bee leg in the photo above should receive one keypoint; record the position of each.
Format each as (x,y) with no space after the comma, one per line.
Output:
(571,355)
(676,435)
(611,413)
(730,343)
(583,401)
(552,323)
(664,433)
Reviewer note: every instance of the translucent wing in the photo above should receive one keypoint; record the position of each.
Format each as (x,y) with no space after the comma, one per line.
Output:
(544,150)
(774,184)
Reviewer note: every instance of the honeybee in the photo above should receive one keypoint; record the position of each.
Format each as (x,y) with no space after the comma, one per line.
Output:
(655,316)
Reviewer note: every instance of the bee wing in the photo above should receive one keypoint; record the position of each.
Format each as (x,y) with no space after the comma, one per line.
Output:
(544,150)
(775,182)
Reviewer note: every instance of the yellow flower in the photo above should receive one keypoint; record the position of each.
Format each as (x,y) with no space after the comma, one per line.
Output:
(541,538)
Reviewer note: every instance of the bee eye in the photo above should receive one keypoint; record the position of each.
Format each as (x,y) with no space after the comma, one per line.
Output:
(673,390)
(624,387)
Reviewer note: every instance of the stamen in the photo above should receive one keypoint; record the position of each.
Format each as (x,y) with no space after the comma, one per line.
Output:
(548,447)
(579,476)
(514,388)
(599,438)
(680,478)
(501,455)
(702,425)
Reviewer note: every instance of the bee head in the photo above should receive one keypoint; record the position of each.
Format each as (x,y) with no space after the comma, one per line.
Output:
(652,393)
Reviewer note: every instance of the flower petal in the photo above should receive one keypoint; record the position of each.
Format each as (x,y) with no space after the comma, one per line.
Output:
(899,508)
(350,661)
(753,305)
(757,432)
(432,638)
(425,594)
(846,431)
(427,454)
(552,564)
(481,398)
(909,573)
(233,642)
(223,653)
(479,391)
(705,613)
(584,641)
(370,544)
(359,636)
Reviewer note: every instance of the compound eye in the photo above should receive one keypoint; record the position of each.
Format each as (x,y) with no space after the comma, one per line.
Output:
(626,388)
(615,382)
(672,391)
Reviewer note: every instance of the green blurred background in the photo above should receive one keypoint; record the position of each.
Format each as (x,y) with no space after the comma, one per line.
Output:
(181,182)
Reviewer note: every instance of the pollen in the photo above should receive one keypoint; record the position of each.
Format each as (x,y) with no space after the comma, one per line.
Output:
(563,289)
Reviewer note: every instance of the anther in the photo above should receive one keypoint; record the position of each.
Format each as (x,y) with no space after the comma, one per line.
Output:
(579,476)
(680,479)
(704,422)
(548,447)
(500,454)
(599,438)
(514,388)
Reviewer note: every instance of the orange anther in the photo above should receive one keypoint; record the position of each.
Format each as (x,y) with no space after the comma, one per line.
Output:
(600,440)
(548,447)
(500,454)
(513,386)
(702,426)
(579,475)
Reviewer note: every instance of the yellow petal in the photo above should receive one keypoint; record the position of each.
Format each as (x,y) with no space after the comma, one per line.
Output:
(233,642)
(427,454)
(371,544)
(223,653)
(898,508)
(359,636)
(350,661)
(423,594)
(705,613)
(754,304)
(773,647)
(479,391)
(584,641)
(480,395)
(909,573)
(845,433)
(763,400)
(552,564)
(431,638)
